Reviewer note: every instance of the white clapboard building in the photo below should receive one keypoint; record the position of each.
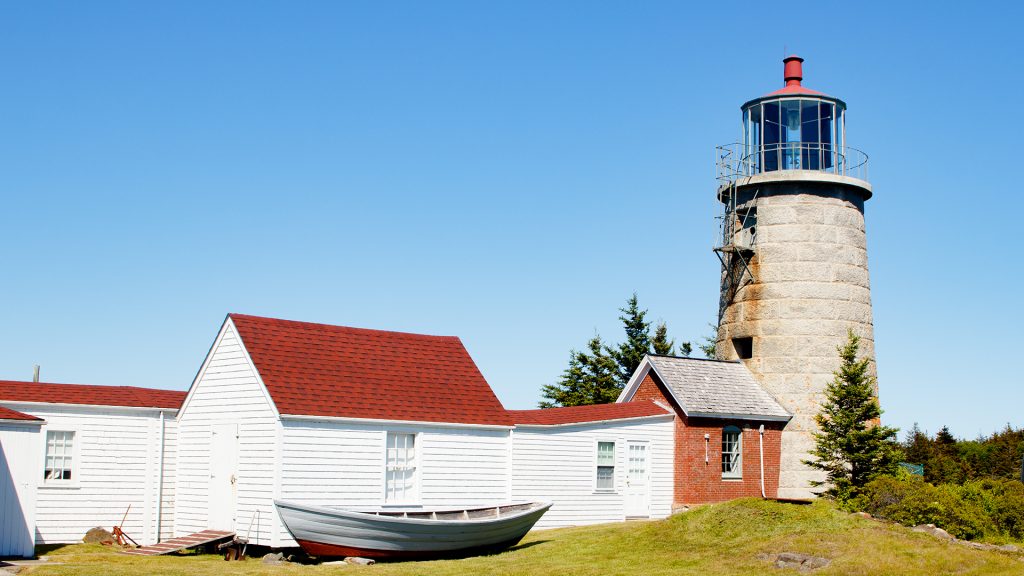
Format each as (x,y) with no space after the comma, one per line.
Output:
(87,456)
(317,414)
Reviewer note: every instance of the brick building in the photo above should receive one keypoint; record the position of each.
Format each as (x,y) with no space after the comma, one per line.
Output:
(727,429)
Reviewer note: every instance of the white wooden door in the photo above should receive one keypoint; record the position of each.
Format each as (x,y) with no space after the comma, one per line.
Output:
(20,472)
(223,487)
(637,480)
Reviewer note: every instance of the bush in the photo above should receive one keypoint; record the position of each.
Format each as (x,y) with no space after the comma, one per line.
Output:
(1003,501)
(991,508)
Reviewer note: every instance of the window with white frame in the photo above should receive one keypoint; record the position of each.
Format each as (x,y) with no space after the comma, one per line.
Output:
(732,452)
(605,467)
(59,455)
(400,474)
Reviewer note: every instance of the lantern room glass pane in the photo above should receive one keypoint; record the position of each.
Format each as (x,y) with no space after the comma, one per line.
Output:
(825,123)
(811,149)
(752,152)
(791,134)
(772,136)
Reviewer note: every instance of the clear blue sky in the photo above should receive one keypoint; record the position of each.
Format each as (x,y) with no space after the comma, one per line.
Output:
(505,172)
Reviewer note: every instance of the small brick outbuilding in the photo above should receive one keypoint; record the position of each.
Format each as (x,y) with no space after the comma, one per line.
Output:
(728,429)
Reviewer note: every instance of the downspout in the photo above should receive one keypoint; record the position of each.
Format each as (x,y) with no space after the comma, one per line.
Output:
(160,481)
(760,449)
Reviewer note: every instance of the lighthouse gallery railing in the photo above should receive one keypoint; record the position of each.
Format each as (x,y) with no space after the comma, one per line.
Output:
(737,160)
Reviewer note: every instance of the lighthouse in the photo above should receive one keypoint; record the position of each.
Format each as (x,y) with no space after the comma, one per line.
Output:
(794,256)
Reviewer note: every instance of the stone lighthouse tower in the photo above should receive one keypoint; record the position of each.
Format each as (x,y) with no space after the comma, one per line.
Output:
(794,255)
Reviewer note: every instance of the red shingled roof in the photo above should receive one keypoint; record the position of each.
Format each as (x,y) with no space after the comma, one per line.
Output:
(584,414)
(8,414)
(127,396)
(794,90)
(321,370)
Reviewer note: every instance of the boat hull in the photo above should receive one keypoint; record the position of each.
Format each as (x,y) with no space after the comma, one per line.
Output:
(329,532)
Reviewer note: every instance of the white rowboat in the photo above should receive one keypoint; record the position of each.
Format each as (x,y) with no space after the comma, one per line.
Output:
(408,534)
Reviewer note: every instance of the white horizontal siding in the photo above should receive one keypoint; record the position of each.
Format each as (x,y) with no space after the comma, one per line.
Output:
(228,391)
(342,464)
(115,466)
(20,446)
(558,464)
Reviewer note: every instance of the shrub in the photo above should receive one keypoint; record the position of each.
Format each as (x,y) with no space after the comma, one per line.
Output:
(982,508)
(1002,500)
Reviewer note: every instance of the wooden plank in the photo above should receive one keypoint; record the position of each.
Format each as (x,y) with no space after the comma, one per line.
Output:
(181,543)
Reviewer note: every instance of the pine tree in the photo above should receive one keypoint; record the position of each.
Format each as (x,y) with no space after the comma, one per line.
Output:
(630,353)
(710,341)
(917,447)
(851,447)
(661,344)
(591,378)
(599,375)
(944,437)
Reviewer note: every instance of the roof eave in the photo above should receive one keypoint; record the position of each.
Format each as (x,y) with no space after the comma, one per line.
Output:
(353,420)
(29,421)
(100,406)
(732,416)
(666,415)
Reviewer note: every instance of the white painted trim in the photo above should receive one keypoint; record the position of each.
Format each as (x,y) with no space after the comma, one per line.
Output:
(255,371)
(147,487)
(646,366)
(160,477)
(634,381)
(276,537)
(591,422)
(509,455)
(598,440)
(25,422)
(203,366)
(349,420)
(76,460)
(153,409)
(739,434)
(209,357)
(417,446)
(648,465)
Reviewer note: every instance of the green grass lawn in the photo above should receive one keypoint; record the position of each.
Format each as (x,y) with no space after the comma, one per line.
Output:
(721,539)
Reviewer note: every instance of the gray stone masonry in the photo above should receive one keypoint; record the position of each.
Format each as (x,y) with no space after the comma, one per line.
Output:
(810,270)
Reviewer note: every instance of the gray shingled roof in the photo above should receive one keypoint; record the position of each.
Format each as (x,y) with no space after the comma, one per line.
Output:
(716,389)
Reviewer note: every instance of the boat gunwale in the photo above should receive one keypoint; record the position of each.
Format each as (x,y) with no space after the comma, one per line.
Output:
(538,506)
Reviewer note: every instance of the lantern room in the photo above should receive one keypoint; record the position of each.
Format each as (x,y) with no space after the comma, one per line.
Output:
(796,128)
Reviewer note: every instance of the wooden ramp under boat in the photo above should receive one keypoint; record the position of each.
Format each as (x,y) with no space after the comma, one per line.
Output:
(181,543)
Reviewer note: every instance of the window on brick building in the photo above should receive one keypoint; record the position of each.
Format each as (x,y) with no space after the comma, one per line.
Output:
(732,452)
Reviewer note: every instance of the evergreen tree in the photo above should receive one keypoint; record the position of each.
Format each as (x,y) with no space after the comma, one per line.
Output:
(944,437)
(685,349)
(851,447)
(661,344)
(917,447)
(708,347)
(598,375)
(630,353)
(591,378)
